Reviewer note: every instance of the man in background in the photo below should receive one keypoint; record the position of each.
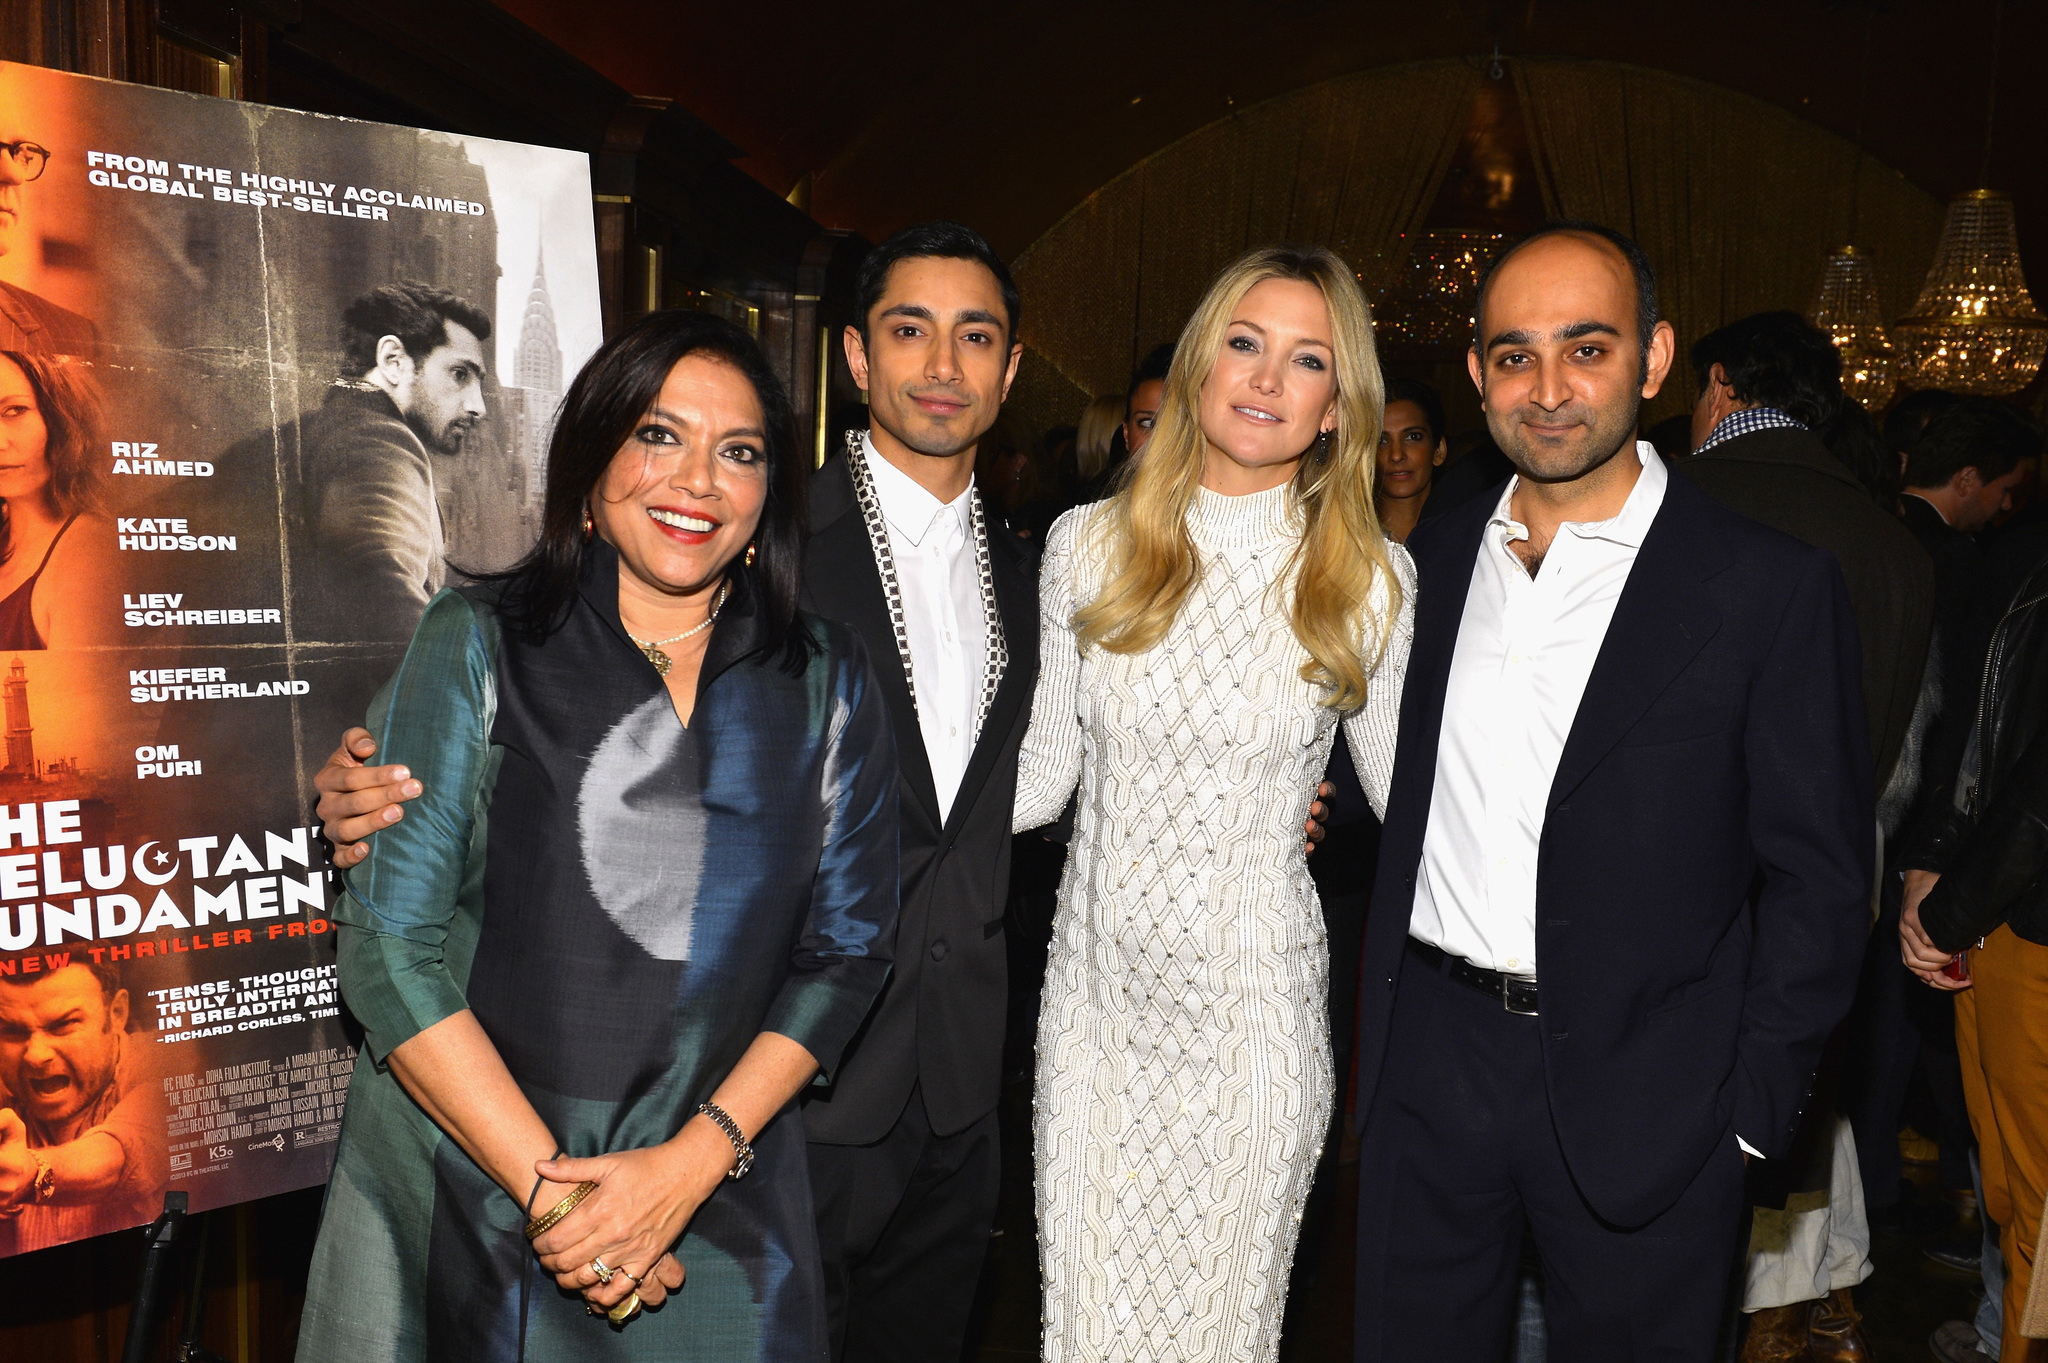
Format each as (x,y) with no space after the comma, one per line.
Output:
(1766,384)
(369,552)
(82,1141)
(28,322)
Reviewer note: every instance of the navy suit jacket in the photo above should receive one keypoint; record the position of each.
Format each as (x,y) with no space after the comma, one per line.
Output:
(1703,879)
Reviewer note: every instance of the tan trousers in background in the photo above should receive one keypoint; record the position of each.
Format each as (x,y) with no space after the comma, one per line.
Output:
(2002,1033)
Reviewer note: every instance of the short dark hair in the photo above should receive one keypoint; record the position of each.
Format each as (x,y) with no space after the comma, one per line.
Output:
(1638,264)
(940,240)
(1401,389)
(108,978)
(604,404)
(417,314)
(1775,359)
(1158,362)
(1907,420)
(1978,433)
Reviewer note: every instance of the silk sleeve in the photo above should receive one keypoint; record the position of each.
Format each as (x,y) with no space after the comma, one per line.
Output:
(844,954)
(434,716)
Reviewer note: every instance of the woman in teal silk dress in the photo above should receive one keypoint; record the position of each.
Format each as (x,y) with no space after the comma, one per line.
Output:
(647,896)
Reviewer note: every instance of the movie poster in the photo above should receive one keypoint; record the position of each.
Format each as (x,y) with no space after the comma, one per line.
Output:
(267,381)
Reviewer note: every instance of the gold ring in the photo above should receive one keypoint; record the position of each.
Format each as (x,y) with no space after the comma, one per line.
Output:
(625,1310)
(604,1275)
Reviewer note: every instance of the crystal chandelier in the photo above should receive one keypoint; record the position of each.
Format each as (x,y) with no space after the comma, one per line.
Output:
(1848,311)
(1975,329)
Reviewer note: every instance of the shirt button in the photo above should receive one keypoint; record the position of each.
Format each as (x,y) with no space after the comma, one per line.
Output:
(1513,962)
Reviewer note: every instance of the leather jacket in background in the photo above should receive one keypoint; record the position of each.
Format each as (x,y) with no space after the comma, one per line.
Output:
(1990,844)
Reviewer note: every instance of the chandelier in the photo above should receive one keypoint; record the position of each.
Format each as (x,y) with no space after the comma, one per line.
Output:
(1975,329)
(1848,311)
(1429,302)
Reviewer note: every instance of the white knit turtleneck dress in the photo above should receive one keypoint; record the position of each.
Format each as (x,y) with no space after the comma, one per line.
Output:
(1184,1080)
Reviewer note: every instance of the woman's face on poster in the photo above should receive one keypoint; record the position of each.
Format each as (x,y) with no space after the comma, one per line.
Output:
(24,435)
(683,496)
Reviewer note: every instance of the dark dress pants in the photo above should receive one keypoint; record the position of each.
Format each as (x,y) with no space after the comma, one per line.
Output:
(1460,1159)
(903,1227)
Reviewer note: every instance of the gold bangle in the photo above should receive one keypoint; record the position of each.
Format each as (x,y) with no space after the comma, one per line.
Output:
(541,1225)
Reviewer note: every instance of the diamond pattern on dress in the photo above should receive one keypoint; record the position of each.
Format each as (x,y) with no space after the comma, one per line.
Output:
(1184,1076)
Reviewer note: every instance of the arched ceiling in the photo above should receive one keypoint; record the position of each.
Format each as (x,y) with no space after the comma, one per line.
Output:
(1006,114)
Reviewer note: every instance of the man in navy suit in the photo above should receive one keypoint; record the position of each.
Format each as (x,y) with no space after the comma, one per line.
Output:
(1625,876)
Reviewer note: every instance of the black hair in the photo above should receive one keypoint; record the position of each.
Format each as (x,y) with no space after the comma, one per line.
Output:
(941,240)
(1638,264)
(605,403)
(1401,389)
(103,974)
(1978,433)
(1775,359)
(1853,438)
(1907,420)
(1153,368)
(417,314)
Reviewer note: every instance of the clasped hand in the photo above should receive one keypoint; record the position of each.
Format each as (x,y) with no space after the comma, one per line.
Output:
(643,1202)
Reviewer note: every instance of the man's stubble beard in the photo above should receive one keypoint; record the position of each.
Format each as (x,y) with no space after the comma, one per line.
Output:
(1604,443)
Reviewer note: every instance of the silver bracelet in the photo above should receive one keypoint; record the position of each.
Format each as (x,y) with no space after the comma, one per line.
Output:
(731,1129)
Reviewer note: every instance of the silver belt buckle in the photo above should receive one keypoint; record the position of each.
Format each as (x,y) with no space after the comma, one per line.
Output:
(1507,998)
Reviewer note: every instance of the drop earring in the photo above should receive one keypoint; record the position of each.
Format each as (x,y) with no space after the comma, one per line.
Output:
(1322,447)
(589,525)
(750,556)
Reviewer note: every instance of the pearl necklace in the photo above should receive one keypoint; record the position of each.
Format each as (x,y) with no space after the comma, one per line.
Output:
(652,648)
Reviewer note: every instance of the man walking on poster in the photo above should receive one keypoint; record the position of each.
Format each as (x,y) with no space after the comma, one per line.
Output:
(368,553)
(1625,876)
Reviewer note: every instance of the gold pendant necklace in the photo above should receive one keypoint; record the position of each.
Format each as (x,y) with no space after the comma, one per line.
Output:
(652,648)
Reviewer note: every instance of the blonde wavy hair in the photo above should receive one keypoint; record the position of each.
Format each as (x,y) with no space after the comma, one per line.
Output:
(1151,562)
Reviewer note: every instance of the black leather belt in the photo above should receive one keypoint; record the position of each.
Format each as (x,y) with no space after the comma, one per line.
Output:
(1517,993)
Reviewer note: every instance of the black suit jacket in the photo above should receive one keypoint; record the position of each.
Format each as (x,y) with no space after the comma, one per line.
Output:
(1703,879)
(1785,477)
(939,1021)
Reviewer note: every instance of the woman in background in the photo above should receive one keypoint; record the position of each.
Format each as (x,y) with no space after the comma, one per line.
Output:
(647,894)
(56,543)
(1411,450)
(1204,633)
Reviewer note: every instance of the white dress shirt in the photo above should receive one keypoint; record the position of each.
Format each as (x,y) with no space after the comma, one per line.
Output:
(1525,649)
(933,545)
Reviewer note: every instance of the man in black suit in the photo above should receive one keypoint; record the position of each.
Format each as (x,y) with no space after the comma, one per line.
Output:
(30,323)
(1625,873)
(904,1155)
(904,1158)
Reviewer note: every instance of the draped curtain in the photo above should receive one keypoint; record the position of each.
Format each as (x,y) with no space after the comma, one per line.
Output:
(1352,163)
(1736,202)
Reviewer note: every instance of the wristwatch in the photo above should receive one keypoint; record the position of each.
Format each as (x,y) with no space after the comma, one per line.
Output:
(45,1181)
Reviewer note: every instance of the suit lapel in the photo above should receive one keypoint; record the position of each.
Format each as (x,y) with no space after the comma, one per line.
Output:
(1017,602)
(1662,621)
(1444,555)
(845,584)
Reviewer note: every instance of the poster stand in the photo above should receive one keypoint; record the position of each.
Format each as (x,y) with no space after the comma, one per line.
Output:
(159,1240)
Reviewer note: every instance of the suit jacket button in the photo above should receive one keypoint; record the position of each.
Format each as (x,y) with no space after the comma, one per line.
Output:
(939,950)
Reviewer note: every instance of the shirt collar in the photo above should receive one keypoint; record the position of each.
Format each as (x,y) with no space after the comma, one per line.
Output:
(911,511)
(1744,422)
(1627,527)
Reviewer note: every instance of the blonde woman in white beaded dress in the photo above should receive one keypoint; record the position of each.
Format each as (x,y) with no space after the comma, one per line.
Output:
(1204,633)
